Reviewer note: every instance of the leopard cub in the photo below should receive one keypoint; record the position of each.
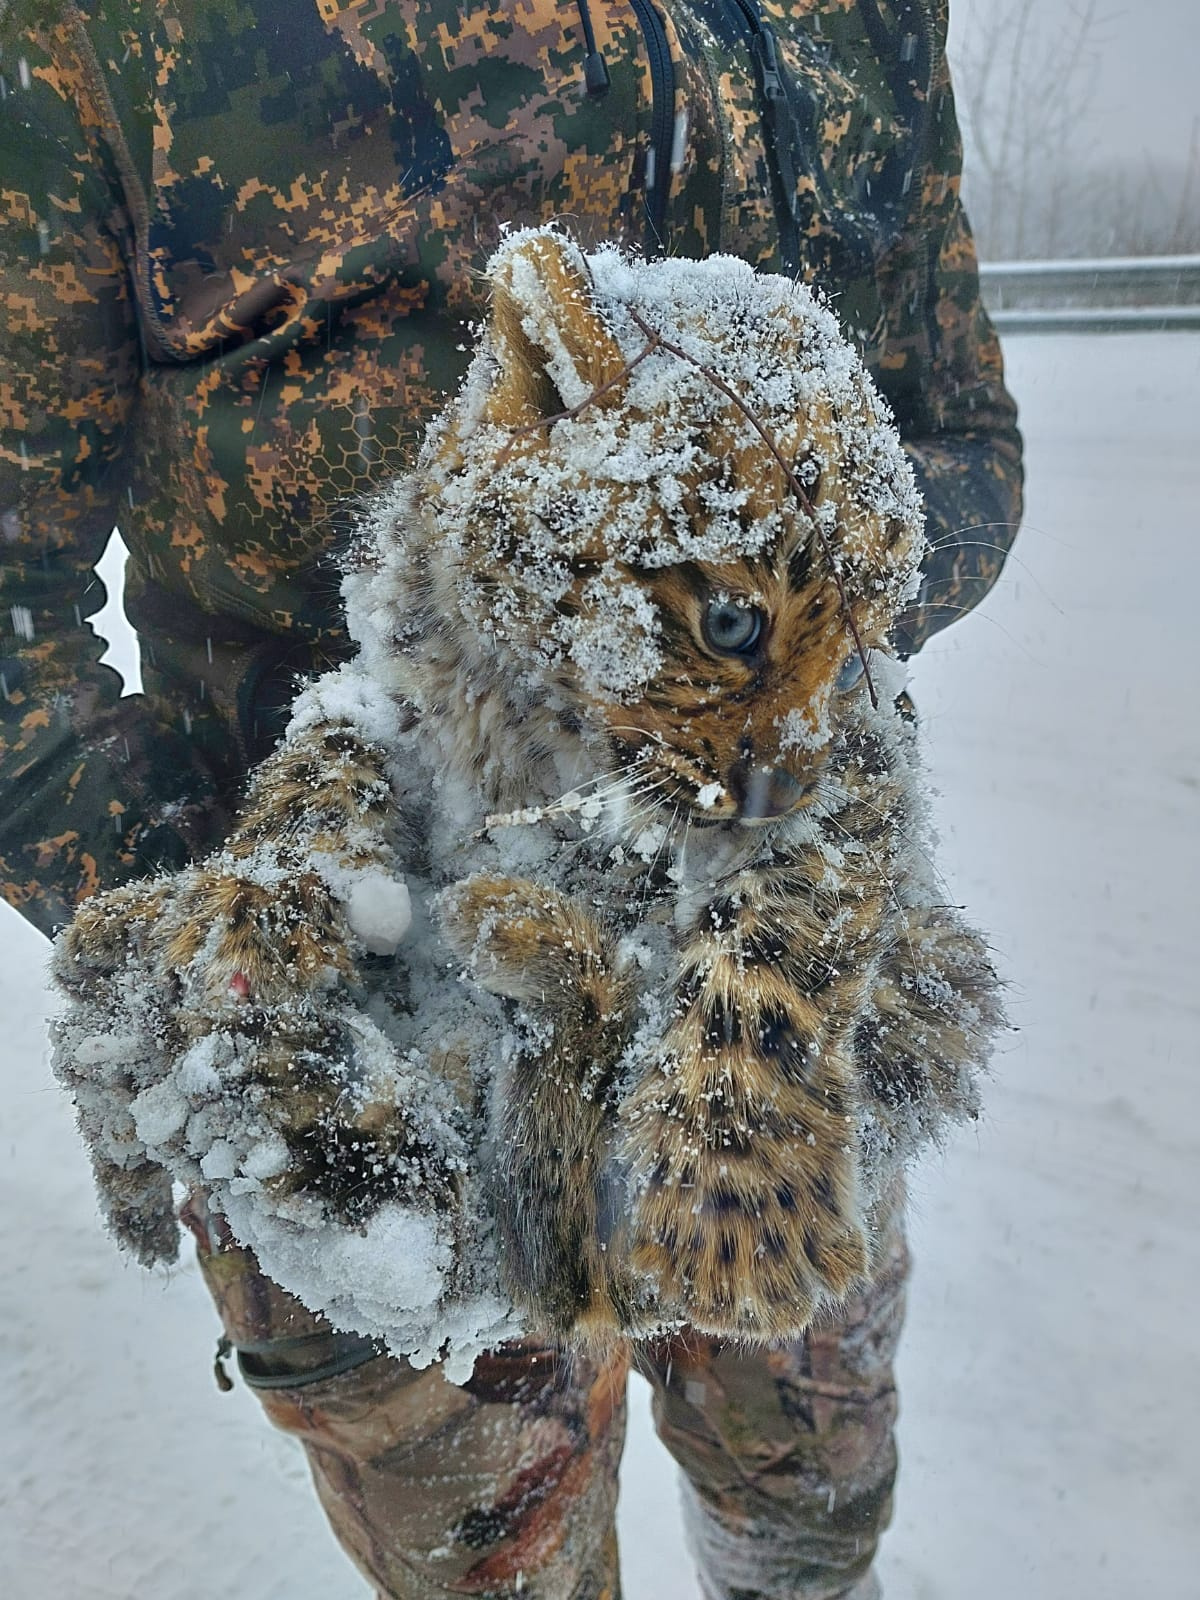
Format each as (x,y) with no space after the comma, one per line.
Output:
(576,963)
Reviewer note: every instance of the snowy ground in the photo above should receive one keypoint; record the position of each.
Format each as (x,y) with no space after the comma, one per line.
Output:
(1051,1411)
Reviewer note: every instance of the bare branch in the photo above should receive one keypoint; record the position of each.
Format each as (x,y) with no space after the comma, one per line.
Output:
(792,480)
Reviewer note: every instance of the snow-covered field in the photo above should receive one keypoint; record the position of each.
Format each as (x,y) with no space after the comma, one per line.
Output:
(1051,1404)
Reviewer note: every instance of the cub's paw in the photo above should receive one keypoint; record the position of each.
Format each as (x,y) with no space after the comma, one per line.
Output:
(264,971)
(210,937)
(233,939)
(108,932)
(936,1012)
(528,943)
(510,931)
(138,1205)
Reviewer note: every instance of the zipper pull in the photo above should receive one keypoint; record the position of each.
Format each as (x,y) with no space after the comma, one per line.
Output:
(766,58)
(595,74)
(595,69)
(778,113)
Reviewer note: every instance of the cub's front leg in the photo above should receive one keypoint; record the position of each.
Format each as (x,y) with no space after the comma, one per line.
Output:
(557,1196)
(741,1135)
(233,983)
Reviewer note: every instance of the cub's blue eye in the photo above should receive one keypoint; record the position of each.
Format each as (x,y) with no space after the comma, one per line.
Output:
(850,673)
(731,628)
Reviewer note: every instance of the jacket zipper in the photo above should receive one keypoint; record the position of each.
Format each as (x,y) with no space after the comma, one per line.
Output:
(915,22)
(662,122)
(921,130)
(778,126)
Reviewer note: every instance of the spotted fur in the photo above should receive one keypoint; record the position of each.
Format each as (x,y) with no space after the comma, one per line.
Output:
(699,1138)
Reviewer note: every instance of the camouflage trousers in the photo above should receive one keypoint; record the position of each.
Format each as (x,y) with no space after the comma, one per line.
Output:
(507,1486)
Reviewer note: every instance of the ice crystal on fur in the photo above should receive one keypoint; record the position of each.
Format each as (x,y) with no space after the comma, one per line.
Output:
(566,970)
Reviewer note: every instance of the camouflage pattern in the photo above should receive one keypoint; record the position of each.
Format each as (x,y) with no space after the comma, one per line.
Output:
(239,243)
(787,1455)
(507,1486)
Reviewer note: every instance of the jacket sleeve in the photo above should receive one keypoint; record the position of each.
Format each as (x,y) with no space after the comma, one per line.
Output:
(942,371)
(94,788)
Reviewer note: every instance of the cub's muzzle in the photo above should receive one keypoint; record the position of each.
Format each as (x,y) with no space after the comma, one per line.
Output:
(762,793)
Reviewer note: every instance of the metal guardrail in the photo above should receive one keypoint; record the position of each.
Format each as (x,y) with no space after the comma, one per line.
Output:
(1114,294)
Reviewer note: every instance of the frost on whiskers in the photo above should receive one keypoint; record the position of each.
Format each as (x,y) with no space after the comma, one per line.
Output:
(496,1012)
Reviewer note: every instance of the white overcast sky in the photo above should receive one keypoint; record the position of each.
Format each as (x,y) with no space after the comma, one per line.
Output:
(1148,82)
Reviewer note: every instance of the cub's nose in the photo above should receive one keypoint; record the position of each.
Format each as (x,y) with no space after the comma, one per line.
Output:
(763,792)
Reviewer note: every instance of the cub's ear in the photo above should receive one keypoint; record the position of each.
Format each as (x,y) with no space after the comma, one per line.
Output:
(553,345)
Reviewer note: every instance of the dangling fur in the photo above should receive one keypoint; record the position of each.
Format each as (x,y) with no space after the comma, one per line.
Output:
(681,995)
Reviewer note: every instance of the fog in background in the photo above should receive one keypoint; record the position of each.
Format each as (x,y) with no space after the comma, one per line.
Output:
(1081,120)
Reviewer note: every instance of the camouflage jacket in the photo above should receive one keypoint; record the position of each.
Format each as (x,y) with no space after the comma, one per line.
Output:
(239,253)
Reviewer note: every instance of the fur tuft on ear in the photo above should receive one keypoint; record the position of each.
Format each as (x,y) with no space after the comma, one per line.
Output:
(553,345)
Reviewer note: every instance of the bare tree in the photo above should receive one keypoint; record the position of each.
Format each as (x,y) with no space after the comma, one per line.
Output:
(1027,99)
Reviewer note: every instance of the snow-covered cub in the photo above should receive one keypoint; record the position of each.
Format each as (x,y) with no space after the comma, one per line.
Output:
(576,963)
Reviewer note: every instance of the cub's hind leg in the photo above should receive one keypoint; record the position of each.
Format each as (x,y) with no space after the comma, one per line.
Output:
(556,1189)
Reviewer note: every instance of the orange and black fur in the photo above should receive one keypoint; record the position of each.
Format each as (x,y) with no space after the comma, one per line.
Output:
(624,609)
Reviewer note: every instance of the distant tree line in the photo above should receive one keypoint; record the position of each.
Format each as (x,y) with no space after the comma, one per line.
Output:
(1028,105)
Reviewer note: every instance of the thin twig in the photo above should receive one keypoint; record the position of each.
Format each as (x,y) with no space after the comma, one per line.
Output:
(793,481)
(652,344)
